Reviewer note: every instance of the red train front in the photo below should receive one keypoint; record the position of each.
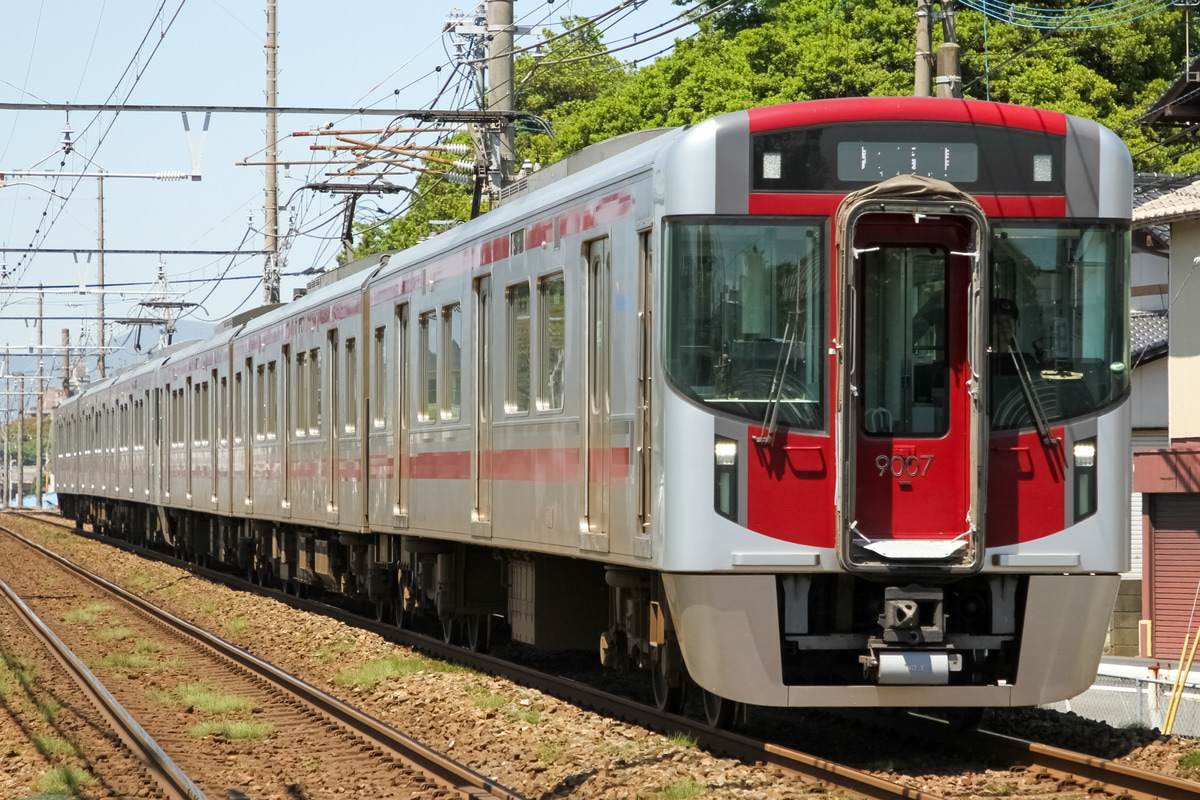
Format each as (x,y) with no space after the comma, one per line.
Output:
(895,333)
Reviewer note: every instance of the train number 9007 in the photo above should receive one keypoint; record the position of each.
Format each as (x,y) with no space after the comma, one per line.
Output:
(904,466)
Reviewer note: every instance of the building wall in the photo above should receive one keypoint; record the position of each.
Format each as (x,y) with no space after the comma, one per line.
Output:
(1148,276)
(1184,332)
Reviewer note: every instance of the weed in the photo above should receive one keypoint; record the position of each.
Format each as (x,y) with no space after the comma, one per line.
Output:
(88,615)
(312,764)
(1190,761)
(236,625)
(551,752)
(232,729)
(147,646)
(370,674)
(201,697)
(483,698)
(130,661)
(64,780)
(530,716)
(48,709)
(683,790)
(342,643)
(680,739)
(112,634)
(53,745)
(138,580)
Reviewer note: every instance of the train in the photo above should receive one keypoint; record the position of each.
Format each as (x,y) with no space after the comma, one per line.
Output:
(817,404)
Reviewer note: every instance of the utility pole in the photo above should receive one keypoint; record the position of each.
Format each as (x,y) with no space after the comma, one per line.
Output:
(500,82)
(100,275)
(7,423)
(924,63)
(20,441)
(271,199)
(66,347)
(39,407)
(949,77)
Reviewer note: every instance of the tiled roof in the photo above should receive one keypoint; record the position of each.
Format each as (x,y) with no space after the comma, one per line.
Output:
(1147,335)
(1166,199)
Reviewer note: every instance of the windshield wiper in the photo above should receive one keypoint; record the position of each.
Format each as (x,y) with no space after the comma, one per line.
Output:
(1035,405)
(790,332)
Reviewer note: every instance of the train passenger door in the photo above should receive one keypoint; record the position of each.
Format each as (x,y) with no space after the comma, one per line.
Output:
(645,416)
(335,426)
(597,462)
(400,421)
(286,432)
(481,463)
(911,416)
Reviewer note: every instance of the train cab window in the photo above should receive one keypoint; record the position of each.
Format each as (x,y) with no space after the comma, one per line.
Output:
(451,402)
(905,370)
(427,404)
(516,385)
(379,380)
(745,312)
(352,387)
(1059,311)
(552,312)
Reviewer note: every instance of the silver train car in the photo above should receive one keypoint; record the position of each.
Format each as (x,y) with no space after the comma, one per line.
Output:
(821,404)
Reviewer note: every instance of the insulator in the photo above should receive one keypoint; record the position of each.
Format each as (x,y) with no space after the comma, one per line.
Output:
(457,148)
(170,175)
(464,166)
(458,177)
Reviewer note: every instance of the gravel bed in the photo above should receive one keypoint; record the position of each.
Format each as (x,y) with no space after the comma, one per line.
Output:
(541,746)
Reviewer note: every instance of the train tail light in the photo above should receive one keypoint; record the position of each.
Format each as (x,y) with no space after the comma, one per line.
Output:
(725,477)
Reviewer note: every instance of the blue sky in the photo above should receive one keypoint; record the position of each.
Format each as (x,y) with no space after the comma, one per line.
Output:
(330,55)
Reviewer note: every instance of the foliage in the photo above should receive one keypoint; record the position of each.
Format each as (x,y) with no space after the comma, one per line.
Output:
(23,432)
(764,52)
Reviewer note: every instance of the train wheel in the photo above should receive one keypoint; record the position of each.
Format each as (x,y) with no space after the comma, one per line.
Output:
(719,712)
(668,689)
(450,630)
(479,630)
(385,611)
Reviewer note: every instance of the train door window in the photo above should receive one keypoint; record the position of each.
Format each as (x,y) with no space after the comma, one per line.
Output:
(516,384)
(427,406)
(552,311)
(300,394)
(239,400)
(223,411)
(451,407)
(272,405)
(334,411)
(157,417)
(516,242)
(260,403)
(379,380)
(288,392)
(352,387)
(905,324)
(314,392)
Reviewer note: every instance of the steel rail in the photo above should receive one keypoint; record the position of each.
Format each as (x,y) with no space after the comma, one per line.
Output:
(170,778)
(445,771)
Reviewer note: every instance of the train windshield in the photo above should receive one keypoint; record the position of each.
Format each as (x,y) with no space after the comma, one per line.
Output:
(1060,315)
(745,311)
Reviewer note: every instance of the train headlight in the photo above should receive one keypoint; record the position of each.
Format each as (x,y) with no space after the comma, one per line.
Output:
(1084,453)
(725,477)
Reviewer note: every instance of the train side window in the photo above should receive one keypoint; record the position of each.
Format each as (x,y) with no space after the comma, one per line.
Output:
(451,407)
(351,385)
(379,379)
(223,412)
(552,309)
(427,404)
(516,384)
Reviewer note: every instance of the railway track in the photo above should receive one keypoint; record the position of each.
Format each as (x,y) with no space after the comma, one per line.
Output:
(361,752)
(1071,771)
